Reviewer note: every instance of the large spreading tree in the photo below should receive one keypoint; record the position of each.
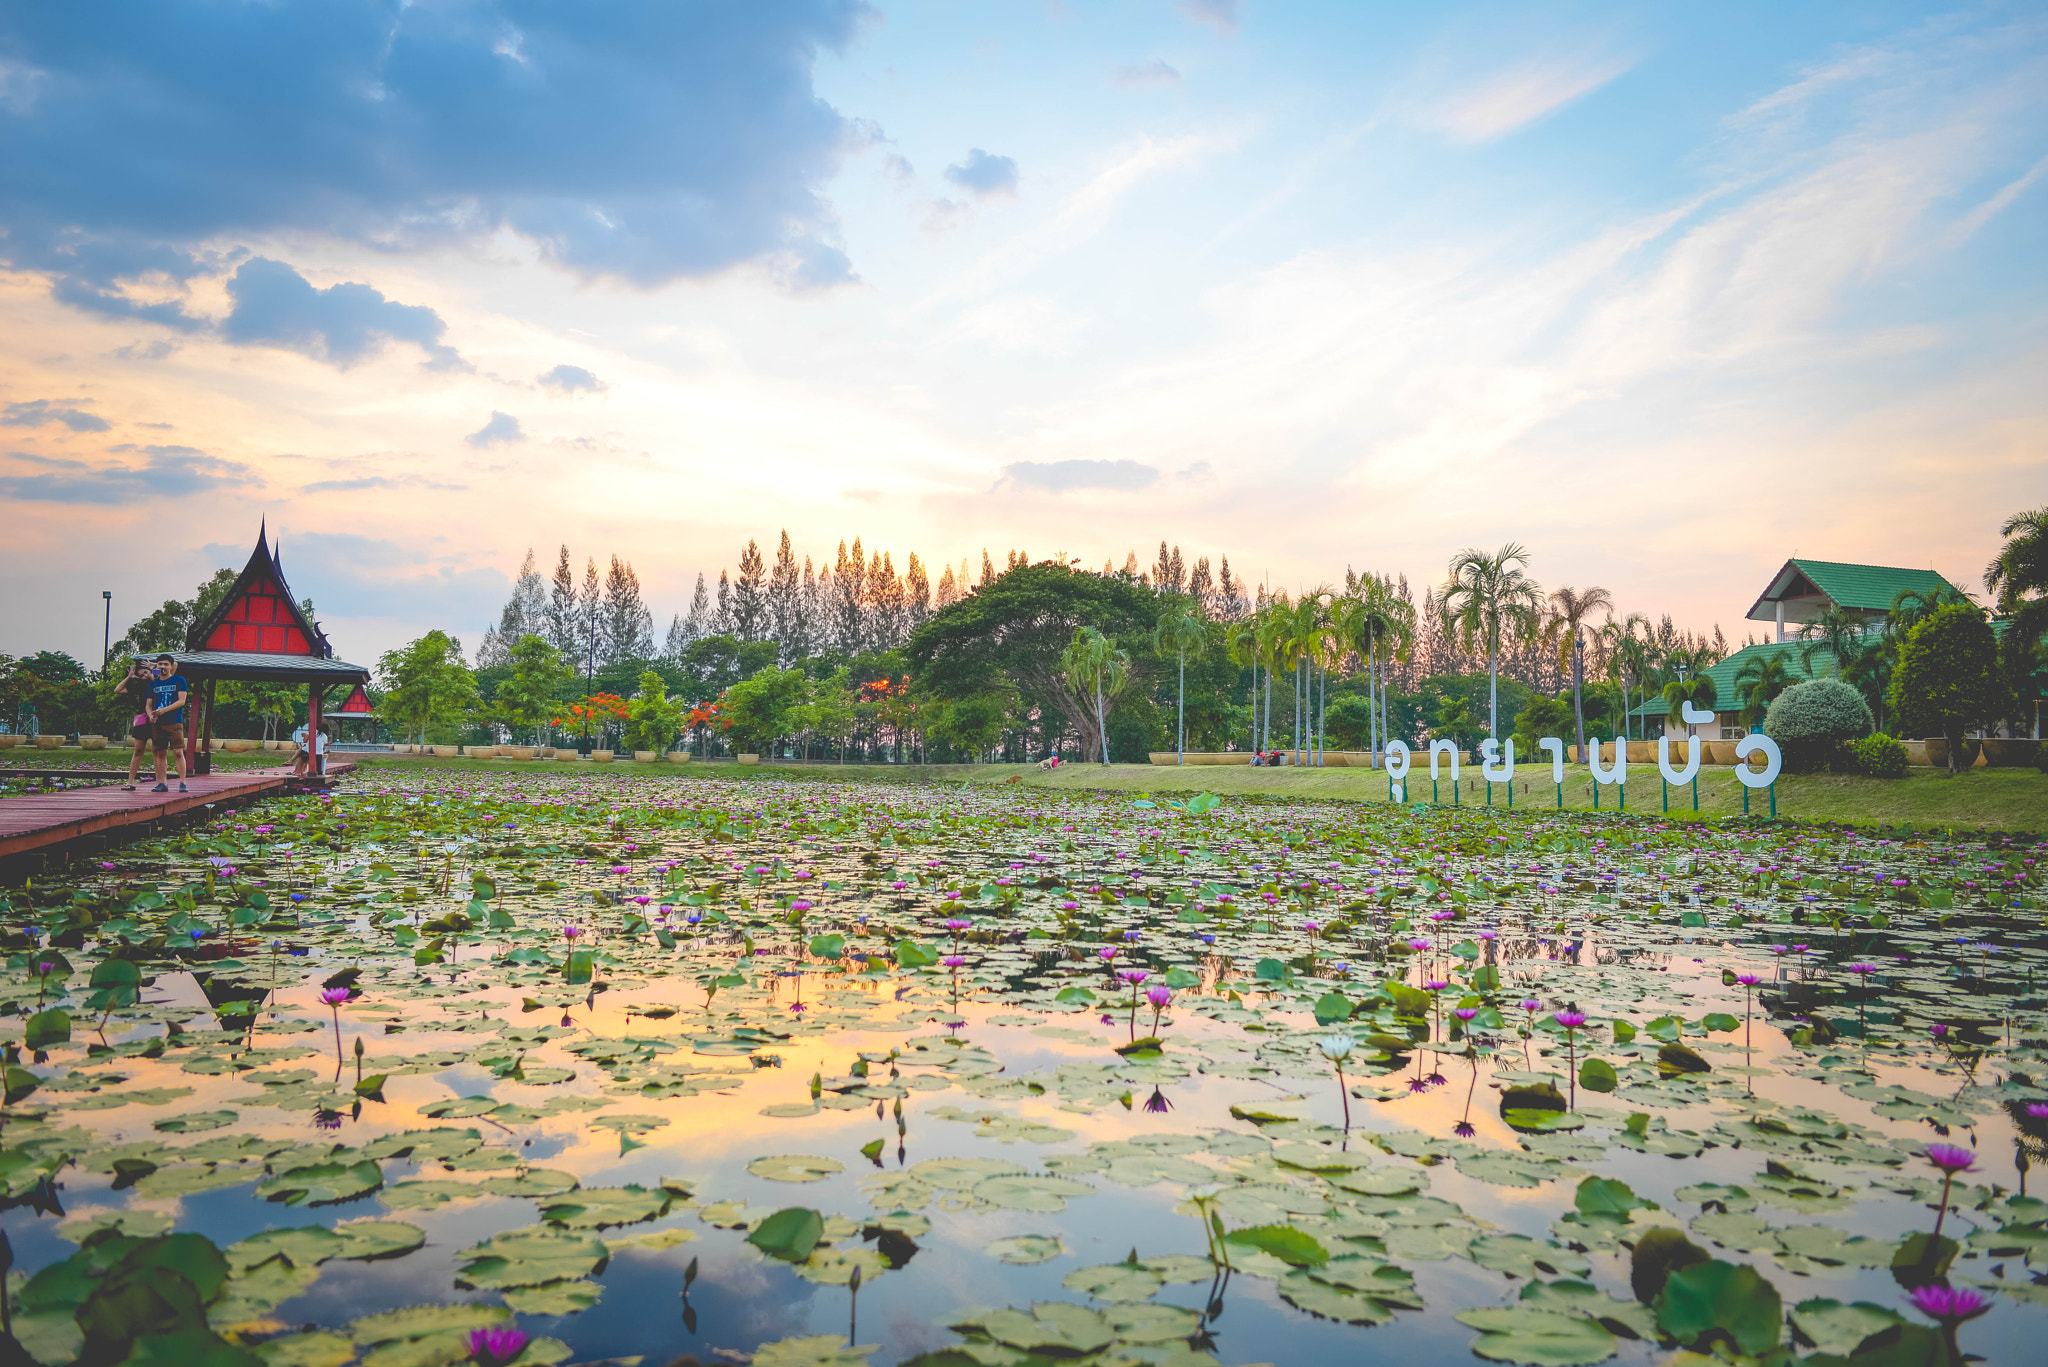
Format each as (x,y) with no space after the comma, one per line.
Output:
(1946,683)
(1015,630)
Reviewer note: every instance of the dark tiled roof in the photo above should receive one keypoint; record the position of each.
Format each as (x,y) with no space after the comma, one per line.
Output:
(244,664)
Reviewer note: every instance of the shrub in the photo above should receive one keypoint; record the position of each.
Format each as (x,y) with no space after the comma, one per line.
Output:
(1538,718)
(1946,682)
(1813,721)
(1878,756)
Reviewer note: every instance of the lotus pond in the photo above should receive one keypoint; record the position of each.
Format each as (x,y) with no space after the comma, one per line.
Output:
(523,1068)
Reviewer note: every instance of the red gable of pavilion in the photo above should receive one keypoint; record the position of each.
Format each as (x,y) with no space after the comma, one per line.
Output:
(259,615)
(357,704)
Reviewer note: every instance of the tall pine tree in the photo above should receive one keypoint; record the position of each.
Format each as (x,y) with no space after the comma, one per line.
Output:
(784,583)
(561,620)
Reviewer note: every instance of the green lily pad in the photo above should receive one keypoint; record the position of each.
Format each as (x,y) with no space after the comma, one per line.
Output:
(813,1350)
(1832,1327)
(556,1298)
(1114,1282)
(533,1256)
(1518,1255)
(598,1207)
(1025,1249)
(1040,1195)
(1539,1338)
(323,1184)
(789,1235)
(795,1167)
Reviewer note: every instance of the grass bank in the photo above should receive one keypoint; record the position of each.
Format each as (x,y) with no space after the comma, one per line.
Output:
(1993,799)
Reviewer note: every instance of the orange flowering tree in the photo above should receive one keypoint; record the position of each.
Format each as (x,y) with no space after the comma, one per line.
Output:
(889,702)
(594,713)
(701,718)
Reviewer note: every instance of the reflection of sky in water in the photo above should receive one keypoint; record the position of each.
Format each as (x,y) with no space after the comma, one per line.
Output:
(742,1300)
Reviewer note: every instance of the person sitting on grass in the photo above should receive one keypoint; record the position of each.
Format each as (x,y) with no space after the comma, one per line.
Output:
(167,694)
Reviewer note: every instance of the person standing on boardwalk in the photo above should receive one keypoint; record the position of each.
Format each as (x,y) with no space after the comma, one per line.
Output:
(167,694)
(134,690)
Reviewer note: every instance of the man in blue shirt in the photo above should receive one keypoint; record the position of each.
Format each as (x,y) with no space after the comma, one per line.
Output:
(167,694)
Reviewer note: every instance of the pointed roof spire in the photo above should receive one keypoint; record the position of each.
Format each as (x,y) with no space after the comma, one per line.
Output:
(259,614)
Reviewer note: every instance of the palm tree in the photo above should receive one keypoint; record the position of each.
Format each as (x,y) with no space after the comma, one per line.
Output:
(1379,625)
(1911,608)
(1571,608)
(1698,690)
(1092,662)
(1184,632)
(1761,680)
(1314,643)
(2021,569)
(1273,627)
(1631,656)
(1487,596)
(1839,632)
(1241,640)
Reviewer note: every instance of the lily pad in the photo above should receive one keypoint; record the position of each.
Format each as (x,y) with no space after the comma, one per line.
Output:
(1025,1249)
(1539,1338)
(533,1256)
(795,1168)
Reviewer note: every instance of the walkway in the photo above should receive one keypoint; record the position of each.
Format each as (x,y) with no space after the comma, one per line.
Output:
(34,821)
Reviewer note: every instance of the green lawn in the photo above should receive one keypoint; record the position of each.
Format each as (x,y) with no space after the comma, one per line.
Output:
(2000,799)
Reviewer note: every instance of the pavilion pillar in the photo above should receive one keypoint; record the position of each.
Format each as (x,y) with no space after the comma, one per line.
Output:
(317,761)
(206,740)
(191,731)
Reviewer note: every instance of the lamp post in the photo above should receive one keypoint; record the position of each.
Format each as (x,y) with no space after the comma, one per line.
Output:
(107,631)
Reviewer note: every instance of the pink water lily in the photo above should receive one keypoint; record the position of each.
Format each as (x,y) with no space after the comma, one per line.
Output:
(496,1345)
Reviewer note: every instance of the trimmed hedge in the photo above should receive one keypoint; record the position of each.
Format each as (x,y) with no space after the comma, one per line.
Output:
(1813,722)
(1878,756)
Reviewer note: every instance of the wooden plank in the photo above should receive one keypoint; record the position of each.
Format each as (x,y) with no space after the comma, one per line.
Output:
(33,822)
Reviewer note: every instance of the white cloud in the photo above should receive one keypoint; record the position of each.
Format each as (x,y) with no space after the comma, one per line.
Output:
(1520,95)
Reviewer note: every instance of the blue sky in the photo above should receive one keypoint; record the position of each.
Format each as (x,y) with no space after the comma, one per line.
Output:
(1665,293)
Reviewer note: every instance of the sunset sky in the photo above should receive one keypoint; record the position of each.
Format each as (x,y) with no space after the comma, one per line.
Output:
(1667,293)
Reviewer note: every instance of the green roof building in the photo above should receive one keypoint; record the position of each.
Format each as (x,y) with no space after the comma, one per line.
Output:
(1797,594)
(1804,589)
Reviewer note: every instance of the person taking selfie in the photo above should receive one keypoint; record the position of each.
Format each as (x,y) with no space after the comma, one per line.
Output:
(167,694)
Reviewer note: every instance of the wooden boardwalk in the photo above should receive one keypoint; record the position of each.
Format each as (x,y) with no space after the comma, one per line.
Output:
(34,822)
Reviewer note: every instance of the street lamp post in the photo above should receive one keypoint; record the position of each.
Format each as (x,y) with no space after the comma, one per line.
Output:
(107,632)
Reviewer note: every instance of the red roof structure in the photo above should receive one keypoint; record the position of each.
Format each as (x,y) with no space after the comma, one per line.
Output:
(357,704)
(259,633)
(259,615)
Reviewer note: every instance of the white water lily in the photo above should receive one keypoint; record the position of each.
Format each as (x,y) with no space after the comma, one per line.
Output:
(1336,1048)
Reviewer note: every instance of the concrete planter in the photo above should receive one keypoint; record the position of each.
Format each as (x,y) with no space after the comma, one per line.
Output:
(602,756)
(92,742)
(1720,752)
(480,751)
(10,740)
(646,756)
(47,742)
(1916,753)
(750,759)
(679,757)
(520,751)
(566,756)
(1969,755)
(1999,754)
(445,751)
(238,747)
